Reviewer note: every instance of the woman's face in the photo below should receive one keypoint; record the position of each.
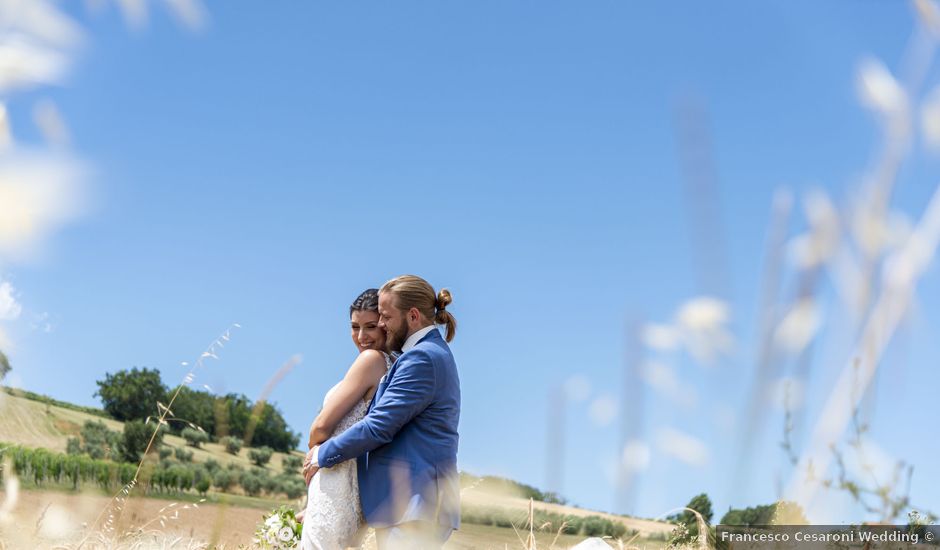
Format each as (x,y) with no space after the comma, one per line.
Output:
(366,333)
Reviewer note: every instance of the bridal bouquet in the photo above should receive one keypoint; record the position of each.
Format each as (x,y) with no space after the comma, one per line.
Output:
(279,530)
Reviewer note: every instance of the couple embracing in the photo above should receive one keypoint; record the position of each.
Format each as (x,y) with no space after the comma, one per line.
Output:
(383,450)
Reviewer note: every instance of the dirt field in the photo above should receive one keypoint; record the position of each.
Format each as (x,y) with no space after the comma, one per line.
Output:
(50,519)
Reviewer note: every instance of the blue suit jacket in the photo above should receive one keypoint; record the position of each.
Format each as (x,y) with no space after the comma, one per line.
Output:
(407,443)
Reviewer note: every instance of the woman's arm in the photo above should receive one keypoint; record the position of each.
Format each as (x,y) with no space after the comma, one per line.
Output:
(362,375)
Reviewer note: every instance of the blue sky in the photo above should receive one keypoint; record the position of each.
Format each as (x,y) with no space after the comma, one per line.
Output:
(267,169)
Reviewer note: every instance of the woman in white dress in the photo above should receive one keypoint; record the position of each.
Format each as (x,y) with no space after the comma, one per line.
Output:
(333,519)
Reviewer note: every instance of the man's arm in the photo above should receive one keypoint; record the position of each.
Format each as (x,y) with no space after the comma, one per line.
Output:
(408,393)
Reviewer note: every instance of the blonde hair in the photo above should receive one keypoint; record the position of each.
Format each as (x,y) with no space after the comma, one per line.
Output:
(412,291)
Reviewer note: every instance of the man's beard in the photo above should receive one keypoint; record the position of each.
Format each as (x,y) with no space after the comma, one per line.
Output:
(395,340)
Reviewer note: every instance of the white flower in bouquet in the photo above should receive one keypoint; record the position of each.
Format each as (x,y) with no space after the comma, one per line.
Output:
(279,530)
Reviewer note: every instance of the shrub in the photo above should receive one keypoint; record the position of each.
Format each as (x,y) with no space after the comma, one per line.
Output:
(194,437)
(232,444)
(224,479)
(97,440)
(136,438)
(260,456)
(291,485)
(203,486)
(212,465)
(183,455)
(292,464)
(251,483)
(165,452)
(74,446)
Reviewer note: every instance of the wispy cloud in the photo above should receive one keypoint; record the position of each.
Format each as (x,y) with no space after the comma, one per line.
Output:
(10,308)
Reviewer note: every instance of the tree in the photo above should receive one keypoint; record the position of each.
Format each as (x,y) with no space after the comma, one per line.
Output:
(137,436)
(195,438)
(194,407)
(260,456)
(4,365)
(232,444)
(131,395)
(292,464)
(687,529)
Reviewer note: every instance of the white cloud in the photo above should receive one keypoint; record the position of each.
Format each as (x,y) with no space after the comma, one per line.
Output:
(682,446)
(10,308)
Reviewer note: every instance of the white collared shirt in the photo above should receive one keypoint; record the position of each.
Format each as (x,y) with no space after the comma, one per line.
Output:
(416,337)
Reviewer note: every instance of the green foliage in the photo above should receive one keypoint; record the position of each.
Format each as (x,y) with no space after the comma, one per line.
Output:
(4,365)
(782,512)
(73,446)
(589,526)
(131,395)
(41,466)
(260,456)
(137,436)
(194,407)
(292,464)
(687,529)
(212,465)
(203,486)
(195,438)
(32,396)
(224,479)
(507,486)
(252,483)
(165,452)
(183,455)
(232,444)
(98,441)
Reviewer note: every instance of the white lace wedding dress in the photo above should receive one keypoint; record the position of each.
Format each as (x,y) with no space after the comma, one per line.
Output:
(333,518)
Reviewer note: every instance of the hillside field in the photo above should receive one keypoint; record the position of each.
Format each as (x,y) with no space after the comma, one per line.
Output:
(225,518)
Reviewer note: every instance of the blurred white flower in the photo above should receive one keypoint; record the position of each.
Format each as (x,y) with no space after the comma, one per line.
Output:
(56,523)
(702,322)
(798,327)
(660,337)
(577,388)
(10,308)
(787,393)
(6,136)
(682,446)
(603,410)
(40,19)
(25,64)
(134,11)
(38,193)
(636,456)
(930,120)
(190,13)
(663,379)
(880,91)
(11,488)
(929,15)
(50,122)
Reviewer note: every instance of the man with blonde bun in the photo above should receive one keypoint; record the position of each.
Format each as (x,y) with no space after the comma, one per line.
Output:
(406,445)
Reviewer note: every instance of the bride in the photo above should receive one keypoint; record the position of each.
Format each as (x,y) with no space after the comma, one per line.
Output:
(333,519)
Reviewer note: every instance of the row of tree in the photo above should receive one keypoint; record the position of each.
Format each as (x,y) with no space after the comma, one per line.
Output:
(134,395)
(42,467)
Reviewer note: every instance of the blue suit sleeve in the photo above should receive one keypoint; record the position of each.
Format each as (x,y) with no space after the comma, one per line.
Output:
(408,393)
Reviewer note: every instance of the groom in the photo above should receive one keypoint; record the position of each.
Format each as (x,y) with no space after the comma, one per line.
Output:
(407,443)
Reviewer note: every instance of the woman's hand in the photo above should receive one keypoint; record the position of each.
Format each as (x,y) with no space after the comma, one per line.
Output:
(299,516)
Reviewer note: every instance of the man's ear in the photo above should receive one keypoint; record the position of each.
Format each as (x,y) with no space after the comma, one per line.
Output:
(414,314)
